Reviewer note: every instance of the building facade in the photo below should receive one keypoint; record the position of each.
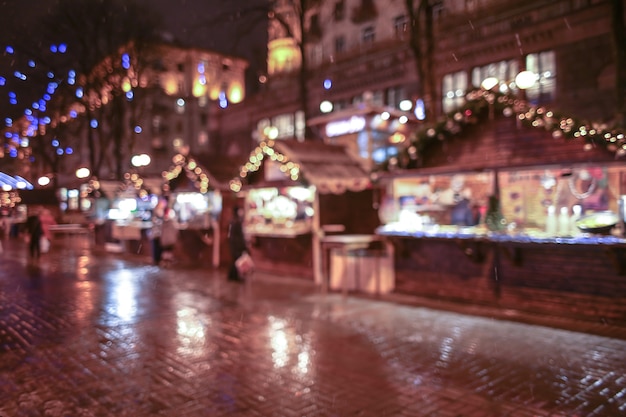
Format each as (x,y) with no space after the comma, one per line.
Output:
(359,52)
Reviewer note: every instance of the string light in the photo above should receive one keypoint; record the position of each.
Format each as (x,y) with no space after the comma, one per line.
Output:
(479,102)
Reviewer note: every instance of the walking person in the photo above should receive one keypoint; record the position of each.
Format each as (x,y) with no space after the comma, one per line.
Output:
(236,243)
(169,236)
(155,234)
(47,219)
(35,232)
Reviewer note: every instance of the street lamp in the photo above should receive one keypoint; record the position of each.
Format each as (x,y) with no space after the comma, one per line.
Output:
(141,160)
(82,173)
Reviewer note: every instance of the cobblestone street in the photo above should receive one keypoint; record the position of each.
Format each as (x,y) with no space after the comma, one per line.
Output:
(87,333)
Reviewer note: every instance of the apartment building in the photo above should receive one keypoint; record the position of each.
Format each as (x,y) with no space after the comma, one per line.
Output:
(358,54)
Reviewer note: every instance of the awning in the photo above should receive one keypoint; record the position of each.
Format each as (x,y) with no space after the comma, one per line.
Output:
(330,168)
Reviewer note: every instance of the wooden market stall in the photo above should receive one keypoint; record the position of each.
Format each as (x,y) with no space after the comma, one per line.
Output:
(197,190)
(491,216)
(296,195)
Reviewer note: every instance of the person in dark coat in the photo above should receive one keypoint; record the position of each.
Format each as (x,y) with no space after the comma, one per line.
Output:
(236,242)
(35,231)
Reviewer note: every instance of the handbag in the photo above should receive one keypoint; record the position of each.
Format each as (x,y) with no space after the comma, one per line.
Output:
(44,244)
(244,264)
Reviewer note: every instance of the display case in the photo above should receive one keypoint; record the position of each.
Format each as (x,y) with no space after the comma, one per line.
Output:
(284,211)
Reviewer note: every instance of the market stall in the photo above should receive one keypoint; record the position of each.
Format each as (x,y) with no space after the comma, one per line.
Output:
(195,189)
(295,195)
(509,215)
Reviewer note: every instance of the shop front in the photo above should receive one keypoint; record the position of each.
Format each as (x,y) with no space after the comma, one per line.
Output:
(296,195)
(513,217)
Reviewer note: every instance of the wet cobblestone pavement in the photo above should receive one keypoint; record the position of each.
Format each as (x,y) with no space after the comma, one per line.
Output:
(95,334)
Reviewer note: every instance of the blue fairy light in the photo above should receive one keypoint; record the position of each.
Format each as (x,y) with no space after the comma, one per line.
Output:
(20,75)
(31,63)
(125,61)
(69,151)
(60,151)
(53,49)
(9,49)
(93,123)
(50,74)
(138,129)
(62,48)
(8,122)
(79,92)
(55,143)
(13,153)
(328,84)
(46,120)
(130,95)
(3,81)
(73,114)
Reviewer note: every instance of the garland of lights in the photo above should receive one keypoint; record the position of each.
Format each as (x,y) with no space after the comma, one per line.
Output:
(196,174)
(265,149)
(479,102)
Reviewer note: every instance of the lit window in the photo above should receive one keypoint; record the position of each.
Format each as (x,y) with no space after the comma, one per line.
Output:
(543,65)
(503,71)
(454,88)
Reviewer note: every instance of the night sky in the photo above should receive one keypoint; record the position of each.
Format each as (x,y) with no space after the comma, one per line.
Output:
(185,20)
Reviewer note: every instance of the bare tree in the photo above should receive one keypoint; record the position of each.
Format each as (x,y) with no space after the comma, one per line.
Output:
(619,47)
(422,44)
(97,35)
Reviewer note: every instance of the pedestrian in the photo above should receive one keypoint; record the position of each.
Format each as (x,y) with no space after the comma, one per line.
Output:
(35,232)
(236,243)
(169,236)
(155,232)
(47,219)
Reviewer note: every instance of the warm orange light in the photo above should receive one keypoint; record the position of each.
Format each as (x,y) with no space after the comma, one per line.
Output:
(235,93)
(199,89)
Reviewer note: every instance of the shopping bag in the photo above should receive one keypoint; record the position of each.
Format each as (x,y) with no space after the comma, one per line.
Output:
(244,264)
(44,244)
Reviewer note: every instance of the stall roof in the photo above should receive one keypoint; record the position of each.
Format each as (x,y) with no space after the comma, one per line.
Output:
(330,168)
(188,171)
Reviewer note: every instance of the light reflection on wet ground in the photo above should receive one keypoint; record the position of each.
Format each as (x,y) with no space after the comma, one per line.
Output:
(85,335)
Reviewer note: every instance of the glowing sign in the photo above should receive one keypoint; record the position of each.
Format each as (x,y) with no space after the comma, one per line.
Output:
(345,127)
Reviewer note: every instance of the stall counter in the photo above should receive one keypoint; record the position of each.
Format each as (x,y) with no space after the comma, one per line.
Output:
(581,277)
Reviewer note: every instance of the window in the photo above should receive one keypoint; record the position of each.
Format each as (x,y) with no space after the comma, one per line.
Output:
(368,35)
(340,10)
(454,88)
(401,26)
(340,45)
(395,95)
(504,71)
(287,126)
(543,65)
